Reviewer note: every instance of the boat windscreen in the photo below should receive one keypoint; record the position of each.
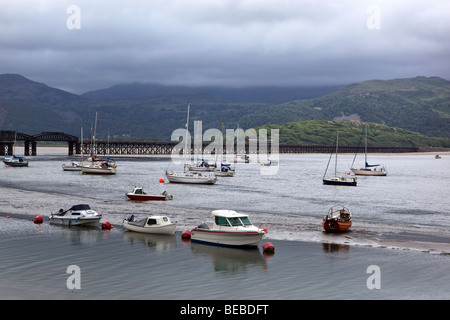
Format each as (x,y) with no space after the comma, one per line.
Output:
(246,221)
(235,222)
(81,207)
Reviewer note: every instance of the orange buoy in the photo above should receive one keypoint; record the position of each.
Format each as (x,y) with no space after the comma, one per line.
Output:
(106,225)
(38,219)
(161,180)
(268,247)
(186,234)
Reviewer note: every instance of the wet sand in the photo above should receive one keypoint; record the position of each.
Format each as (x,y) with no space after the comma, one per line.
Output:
(431,239)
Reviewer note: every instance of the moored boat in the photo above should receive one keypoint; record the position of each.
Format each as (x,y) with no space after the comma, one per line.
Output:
(230,229)
(151,224)
(338,180)
(104,167)
(73,166)
(338,219)
(191,177)
(77,215)
(224,170)
(139,194)
(368,169)
(15,161)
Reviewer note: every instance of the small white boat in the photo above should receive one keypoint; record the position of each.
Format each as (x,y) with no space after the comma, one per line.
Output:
(368,169)
(139,194)
(270,163)
(202,165)
(73,166)
(152,224)
(80,214)
(224,171)
(230,229)
(104,167)
(191,177)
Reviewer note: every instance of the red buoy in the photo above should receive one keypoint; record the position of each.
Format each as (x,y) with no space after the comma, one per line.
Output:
(38,219)
(106,225)
(268,247)
(161,180)
(186,234)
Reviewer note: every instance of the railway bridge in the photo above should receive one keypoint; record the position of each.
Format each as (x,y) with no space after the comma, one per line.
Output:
(7,139)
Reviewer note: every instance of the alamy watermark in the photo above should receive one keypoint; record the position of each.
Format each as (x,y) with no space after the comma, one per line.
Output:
(237,142)
(74,280)
(374,280)
(74,20)
(373,22)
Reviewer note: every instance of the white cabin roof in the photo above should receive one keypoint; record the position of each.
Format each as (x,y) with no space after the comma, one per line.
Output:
(228,213)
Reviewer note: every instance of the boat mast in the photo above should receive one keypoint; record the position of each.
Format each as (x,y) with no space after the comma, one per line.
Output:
(186,138)
(365,159)
(337,142)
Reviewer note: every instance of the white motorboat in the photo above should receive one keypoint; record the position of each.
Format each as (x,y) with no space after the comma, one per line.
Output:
(230,229)
(152,224)
(139,194)
(80,214)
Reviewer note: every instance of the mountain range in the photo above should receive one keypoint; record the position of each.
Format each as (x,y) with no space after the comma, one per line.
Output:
(153,111)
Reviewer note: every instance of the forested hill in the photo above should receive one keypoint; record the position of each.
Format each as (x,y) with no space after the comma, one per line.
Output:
(420,104)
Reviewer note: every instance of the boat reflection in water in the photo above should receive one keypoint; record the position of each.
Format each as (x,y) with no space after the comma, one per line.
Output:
(160,242)
(229,260)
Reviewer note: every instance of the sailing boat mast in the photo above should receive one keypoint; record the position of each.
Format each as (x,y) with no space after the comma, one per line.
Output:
(186,138)
(337,142)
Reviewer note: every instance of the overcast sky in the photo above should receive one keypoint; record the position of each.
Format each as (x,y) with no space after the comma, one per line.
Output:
(80,45)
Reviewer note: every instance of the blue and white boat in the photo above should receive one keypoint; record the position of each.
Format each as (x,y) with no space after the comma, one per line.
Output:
(15,161)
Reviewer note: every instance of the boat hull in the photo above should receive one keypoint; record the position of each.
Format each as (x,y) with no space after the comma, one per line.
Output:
(336,226)
(146,197)
(15,164)
(339,182)
(192,179)
(369,172)
(249,239)
(155,229)
(88,222)
(99,171)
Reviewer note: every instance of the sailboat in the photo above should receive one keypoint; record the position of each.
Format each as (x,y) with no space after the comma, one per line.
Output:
(369,169)
(99,166)
(225,169)
(191,177)
(338,180)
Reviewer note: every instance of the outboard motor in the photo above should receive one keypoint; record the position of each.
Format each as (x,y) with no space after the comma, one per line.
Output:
(130,217)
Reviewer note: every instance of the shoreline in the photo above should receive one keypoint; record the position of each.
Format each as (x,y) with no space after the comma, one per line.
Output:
(421,238)
(62,150)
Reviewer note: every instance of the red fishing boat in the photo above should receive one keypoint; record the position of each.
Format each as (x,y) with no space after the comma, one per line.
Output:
(338,219)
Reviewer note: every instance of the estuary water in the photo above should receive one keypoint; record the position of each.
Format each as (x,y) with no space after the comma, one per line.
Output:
(400,225)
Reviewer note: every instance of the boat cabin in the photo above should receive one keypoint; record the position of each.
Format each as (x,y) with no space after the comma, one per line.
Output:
(230,218)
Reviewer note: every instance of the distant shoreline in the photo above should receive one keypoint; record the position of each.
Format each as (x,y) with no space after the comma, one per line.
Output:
(63,150)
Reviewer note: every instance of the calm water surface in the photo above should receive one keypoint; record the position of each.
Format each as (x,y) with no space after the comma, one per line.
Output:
(116,264)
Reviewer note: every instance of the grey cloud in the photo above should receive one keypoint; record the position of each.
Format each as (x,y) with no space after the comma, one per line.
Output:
(232,42)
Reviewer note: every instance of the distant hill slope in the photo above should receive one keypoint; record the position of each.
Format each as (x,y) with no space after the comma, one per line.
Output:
(416,104)
(322,132)
(272,95)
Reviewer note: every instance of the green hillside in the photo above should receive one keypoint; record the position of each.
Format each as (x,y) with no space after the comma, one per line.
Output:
(321,132)
(417,104)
